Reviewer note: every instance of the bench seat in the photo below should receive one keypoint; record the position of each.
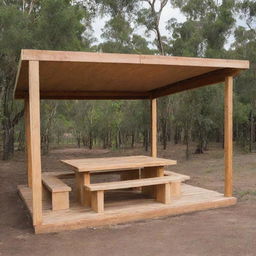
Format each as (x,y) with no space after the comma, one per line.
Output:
(131,183)
(59,190)
(167,187)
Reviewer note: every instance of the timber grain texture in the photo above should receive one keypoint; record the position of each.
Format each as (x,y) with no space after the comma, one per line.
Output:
(86,75)
(58,189)
(116,163)
(77,217)
(132,183)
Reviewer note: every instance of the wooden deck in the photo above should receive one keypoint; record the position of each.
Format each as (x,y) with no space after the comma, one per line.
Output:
(133,206)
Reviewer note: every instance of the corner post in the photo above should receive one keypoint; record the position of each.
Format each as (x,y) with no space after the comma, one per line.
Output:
(34,142)
(28,149)
(228,135)
(153,127)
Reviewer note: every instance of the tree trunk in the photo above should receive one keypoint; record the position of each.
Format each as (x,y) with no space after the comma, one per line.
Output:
(176,135)
(145,139)
(90,140)
(133,140)
(8,141)
(119,138)
(8,133)
(78,139)
(21,145)
(164,134)
(251,131)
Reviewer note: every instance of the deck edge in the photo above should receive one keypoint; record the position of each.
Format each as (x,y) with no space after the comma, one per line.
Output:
(125,218)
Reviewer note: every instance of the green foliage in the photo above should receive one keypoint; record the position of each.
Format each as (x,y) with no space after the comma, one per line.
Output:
(193,116)
(57,26)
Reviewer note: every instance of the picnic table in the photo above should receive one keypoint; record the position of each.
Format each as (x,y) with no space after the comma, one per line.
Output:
(83,168)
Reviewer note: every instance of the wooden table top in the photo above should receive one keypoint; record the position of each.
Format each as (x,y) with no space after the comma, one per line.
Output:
(116,163)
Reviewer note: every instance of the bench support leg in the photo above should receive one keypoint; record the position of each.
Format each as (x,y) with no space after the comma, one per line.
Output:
(97,201)
(46,194)
(163,193)
(176,189)
(60,201)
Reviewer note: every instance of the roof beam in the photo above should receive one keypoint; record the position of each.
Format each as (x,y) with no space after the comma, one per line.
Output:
(89,95)
(209,78)
(97,57)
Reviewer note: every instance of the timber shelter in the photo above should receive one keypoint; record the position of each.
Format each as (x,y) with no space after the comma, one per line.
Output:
(44,74)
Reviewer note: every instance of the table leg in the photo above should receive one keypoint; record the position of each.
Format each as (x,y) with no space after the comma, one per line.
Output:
(150,172)
(83,196)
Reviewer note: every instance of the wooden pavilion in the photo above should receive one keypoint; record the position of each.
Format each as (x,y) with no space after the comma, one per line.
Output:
(83,75)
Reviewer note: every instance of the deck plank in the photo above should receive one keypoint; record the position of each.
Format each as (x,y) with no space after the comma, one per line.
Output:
(192,199)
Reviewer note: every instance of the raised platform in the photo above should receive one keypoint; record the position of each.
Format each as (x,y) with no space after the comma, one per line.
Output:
(131,206)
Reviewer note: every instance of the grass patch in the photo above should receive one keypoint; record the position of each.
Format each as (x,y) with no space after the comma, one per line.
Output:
(245,193)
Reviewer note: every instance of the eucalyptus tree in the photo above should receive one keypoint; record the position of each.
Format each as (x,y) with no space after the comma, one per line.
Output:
(244,47)
(204,33)
(15,34)
(43,24)
(149,16)
(206,29)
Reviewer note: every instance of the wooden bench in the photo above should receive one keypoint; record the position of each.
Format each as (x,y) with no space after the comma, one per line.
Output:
(176,186)
(167,187)
(59,190)
(135,174)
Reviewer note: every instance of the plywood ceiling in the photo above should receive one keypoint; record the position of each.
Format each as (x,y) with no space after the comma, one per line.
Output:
(82,75)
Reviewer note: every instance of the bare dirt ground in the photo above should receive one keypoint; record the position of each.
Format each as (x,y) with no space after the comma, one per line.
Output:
(226,231)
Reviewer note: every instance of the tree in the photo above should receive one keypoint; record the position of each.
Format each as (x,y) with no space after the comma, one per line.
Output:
(244,47)
(14,35)
(204,34)
(150,18)
(41,24)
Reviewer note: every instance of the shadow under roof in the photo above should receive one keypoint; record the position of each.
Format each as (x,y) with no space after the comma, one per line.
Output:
(87,75)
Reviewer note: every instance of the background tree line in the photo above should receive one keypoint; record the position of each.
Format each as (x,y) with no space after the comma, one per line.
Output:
(193,116)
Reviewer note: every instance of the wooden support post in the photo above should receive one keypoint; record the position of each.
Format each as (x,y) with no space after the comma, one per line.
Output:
(34,141)
(28,148)
(228,135)
(86,193)
(98,201)
(79,186)
(83,196)
(153,128)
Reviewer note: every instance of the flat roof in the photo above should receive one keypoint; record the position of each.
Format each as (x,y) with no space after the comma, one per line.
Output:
(88,75)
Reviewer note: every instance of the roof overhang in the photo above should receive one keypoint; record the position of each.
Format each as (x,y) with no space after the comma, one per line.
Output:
(87,75)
